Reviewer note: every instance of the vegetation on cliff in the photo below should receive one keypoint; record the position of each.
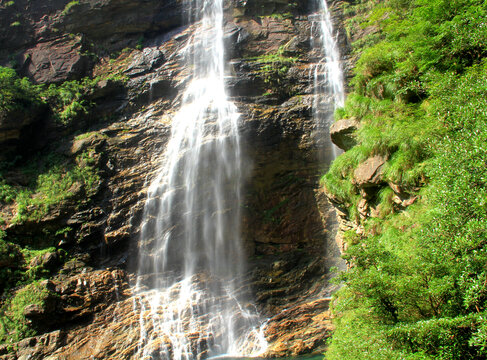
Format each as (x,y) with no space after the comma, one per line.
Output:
(417,286)
(33,187)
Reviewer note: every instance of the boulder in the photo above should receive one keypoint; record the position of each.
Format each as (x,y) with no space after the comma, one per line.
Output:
(55,61)
(102,19)
(342,133)
(107,88)
(369,173)
(48,261)
(145,61)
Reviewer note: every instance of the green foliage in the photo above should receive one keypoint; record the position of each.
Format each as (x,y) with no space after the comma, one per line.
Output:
(275,65)
(68,100)
(283,16)
(140,43)
(9,255)
(35,272)
(13,324)
(16,93)
(417,287)
(89,134)
(55,181)
(357,336)
(69,6)
(274,68)
(7,193)
(47,181)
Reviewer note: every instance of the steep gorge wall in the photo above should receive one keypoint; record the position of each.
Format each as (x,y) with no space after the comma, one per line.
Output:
(89,309)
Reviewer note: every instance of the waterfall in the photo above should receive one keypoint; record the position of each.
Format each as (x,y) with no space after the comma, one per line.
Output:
(329,92)
(189,293)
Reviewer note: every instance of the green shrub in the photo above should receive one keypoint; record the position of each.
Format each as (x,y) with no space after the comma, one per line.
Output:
(16,93)
(13,324)
(417,288)
(69,101)
(54,183)
(273,70)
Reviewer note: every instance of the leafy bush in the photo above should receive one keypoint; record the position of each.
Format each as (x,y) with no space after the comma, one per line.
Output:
(16,93)
(68,101)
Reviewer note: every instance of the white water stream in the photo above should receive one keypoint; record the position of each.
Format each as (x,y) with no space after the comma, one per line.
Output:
(329,90)
(189,294)
(190,255)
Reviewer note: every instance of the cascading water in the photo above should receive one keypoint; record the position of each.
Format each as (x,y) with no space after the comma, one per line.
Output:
(329,92)
(190,298)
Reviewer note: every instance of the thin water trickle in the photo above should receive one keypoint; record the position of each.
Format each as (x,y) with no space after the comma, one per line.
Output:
(191,259)
(329,90)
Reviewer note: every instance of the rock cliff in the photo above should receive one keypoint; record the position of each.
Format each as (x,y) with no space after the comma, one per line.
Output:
(87,239)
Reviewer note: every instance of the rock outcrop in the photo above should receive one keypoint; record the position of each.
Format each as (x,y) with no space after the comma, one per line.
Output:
(286,220)
(343,133)
(58,40)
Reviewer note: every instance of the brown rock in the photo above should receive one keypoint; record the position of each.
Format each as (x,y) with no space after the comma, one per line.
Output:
(48,260)
(342,133)
(102,19)
(369,173)
(283,210)
(363,208)
(299,330)
(33,311)
(409,201)
(145,61)
(90,292)
(55,61)
(396,188)
(80,145)
(38,348)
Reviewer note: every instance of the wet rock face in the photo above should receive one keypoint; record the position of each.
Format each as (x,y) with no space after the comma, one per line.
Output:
(301,329)
(285,224)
